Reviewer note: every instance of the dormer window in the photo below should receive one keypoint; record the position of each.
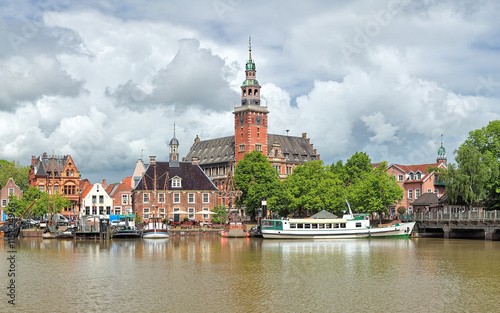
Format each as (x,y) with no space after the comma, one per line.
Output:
(176,182)
(419,175)
(412,176)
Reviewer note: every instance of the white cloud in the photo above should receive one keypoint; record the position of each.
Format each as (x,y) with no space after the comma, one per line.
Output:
(431,69)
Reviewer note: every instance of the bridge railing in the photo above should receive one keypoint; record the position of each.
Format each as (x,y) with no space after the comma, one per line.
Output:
(460,216)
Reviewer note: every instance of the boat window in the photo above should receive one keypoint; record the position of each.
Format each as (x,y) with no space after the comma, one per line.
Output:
(329,225)
(268,224)
(293,225)
(358,224)
(321,226)
(300,225)
(314,225)
(307,225)
(278,225)
(342,225)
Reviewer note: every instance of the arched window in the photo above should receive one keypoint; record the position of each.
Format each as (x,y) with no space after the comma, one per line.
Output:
(72,173)
(67,172)
(256,92)
(276,153)
(244,93)
(249,92)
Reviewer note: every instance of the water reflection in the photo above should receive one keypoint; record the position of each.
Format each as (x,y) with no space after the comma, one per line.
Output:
(215,274)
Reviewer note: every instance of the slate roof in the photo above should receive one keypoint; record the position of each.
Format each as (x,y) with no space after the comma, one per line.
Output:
(193,177)
(295,149)
(44,164)
(221,150)
(324,214)
(426,199)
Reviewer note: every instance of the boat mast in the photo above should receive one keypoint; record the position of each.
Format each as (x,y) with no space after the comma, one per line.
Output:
(53,195)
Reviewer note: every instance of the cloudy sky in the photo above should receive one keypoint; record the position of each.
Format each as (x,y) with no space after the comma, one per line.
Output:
(105,80)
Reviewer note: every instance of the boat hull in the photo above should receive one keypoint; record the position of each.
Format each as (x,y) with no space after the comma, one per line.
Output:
(399,230)
(155,234)
(126,234)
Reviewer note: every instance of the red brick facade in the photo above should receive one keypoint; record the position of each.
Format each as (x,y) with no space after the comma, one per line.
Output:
(57,174)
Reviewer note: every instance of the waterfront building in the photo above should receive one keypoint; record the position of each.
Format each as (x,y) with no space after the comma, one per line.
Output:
(95,200)
(10,189)
(57,174)
(417,180)
(121,195)
(174,186)
(218,156)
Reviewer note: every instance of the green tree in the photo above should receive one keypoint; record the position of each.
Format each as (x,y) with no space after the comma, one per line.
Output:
(355,169)
(469,179)
(13,169)
(256,179)
(312,186)
(221,214)
(487,141)
(45,202)
(376,192)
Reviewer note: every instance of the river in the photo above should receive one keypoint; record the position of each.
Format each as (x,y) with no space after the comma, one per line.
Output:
(212,274)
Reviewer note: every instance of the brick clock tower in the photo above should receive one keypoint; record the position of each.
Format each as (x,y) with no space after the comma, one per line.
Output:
(250,119)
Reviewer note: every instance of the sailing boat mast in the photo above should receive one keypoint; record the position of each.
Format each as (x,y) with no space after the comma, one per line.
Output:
(53,195)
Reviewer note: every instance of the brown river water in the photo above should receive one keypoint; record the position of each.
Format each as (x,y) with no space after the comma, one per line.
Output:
(212,274)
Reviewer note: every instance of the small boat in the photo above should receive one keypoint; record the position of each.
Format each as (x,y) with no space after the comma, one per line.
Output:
(155,228)
(66,234)
(234,228)
(349,226)
(49,233)
(126,232)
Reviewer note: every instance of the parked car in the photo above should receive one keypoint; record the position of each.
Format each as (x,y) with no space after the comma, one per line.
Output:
(60,219)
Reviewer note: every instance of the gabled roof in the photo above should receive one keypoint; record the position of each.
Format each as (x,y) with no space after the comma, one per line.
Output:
(221,150)
(324,214)
(45,163)
(86,191)
(426,199)
(295,149)
(117,188)
(193,177)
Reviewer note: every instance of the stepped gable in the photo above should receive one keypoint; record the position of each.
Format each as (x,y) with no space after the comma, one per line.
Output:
(217,150)
(294,149)
(193,177)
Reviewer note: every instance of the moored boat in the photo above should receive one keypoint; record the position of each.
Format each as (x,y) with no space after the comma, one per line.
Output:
(235,228)
(126,232)
(349,226)
(155,228)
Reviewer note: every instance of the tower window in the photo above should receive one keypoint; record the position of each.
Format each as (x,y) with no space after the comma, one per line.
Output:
(242,147)
(258,133)
(256,92)
(249,92)
(242,133)
(244,93)
(258,147)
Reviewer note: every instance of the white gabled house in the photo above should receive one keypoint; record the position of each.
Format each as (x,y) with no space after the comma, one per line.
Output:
(95,200)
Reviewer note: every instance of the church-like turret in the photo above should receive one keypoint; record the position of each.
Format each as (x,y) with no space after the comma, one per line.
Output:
(441,158)
(173,159)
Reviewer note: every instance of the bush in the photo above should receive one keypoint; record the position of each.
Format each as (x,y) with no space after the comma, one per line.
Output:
(186,219)
(401,210)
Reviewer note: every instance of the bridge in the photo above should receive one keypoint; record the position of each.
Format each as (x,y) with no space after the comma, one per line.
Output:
(465,225)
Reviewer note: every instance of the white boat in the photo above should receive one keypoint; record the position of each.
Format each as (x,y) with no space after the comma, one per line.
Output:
(155,228)
(349,226)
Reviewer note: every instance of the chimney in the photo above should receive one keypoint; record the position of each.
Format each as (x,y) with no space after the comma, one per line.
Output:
(304,135)
(104,185)
(195,161)
(33,159)
(152,159)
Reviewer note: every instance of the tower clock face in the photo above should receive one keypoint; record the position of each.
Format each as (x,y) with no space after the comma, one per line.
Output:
(242,120)
(258,120)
